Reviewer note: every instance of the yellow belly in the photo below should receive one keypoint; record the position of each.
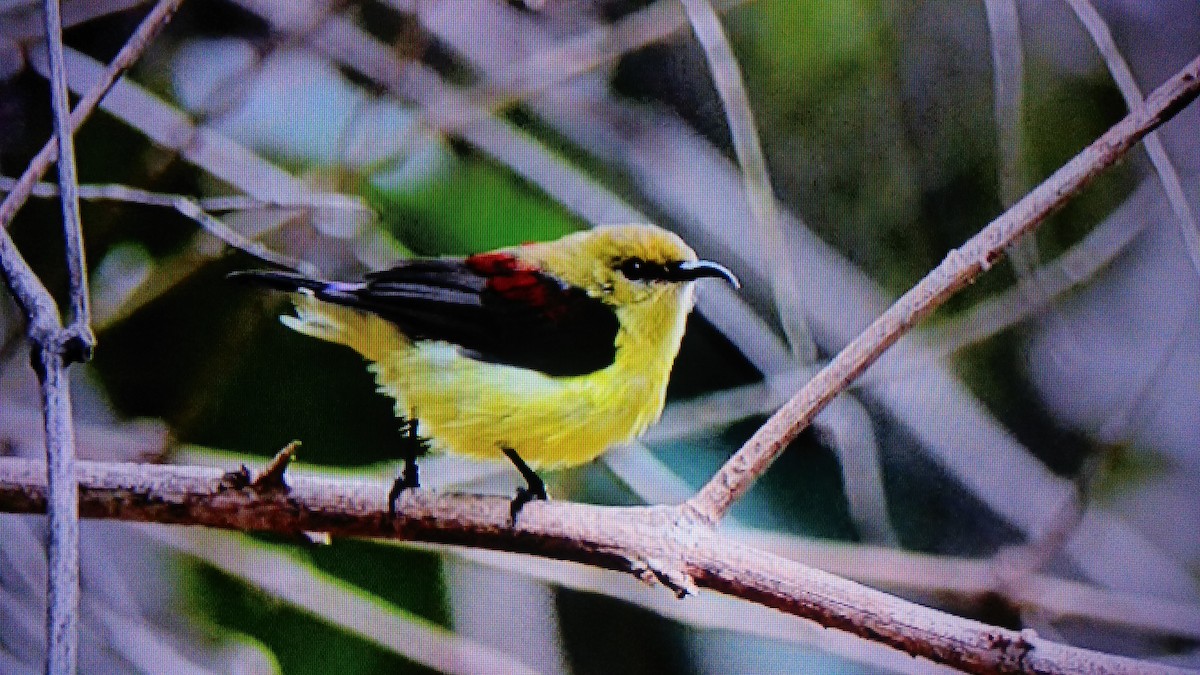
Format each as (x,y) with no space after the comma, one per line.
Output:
(477,409)
(474,408)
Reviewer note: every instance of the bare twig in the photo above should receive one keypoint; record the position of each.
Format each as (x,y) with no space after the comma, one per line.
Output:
(727,77)
(858,459)
(1008,75)
(271,477)
(1078,264)
(654,540)
(169,127)
(232,237)
(62,632)
(22,21)
(194,211)
(68,184)
(62,610)
(137,43)
(33,298)
(956,271)
(125,193)
(966,579)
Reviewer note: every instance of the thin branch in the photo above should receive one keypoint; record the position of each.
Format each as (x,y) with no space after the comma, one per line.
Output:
(1189,229)
(214,226)
(68,185)
(194,210)
(124,193)
(137,43)
(727,76)
(959,268)
(62,629)
(34,300)
(652,542)
(172,129)
(22,22)
(53,357)
(966,579)
(1078,264)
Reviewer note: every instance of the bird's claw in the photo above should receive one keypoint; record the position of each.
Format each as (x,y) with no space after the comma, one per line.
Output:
(402,483)
(412,445)
(524,496)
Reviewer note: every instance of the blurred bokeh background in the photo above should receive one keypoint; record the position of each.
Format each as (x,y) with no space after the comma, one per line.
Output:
(1028,457)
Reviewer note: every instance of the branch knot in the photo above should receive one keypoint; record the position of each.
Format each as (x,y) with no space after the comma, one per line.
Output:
(269,480)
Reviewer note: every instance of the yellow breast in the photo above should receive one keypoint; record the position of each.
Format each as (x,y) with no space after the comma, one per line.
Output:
(474,408)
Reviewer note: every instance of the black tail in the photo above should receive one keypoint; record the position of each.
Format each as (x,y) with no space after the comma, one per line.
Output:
(280,281)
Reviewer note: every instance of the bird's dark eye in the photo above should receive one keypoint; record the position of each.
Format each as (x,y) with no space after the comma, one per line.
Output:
(634,269)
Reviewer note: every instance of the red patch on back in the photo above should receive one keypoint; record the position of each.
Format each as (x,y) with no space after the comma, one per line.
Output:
(513,282)
(520,282)
(492,264)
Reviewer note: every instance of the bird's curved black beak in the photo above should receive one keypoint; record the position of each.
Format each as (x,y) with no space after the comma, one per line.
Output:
(690,270)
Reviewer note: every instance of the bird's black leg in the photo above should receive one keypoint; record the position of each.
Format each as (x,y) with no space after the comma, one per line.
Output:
(410,444)
(536,489)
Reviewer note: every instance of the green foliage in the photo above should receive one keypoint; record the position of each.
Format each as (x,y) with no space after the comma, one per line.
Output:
(800,45)
(1065,116)
(475,206)
(1124,469)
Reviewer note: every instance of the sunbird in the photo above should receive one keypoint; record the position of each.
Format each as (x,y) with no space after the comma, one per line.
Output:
(546,353)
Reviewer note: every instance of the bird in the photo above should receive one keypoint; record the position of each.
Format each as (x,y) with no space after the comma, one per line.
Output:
(546,353)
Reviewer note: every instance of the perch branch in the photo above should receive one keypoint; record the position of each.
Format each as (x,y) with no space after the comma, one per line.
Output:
(652,542)
(960,267)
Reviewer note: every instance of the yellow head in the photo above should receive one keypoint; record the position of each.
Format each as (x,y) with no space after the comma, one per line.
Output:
(624,265)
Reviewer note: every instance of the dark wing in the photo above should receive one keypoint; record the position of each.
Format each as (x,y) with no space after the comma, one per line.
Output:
(498,308)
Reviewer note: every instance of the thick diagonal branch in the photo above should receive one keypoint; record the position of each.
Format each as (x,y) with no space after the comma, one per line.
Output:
(960,267)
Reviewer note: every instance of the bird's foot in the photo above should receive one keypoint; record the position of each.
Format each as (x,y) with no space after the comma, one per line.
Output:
(526,495)
(404,482)
(412,445)
(535,488)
